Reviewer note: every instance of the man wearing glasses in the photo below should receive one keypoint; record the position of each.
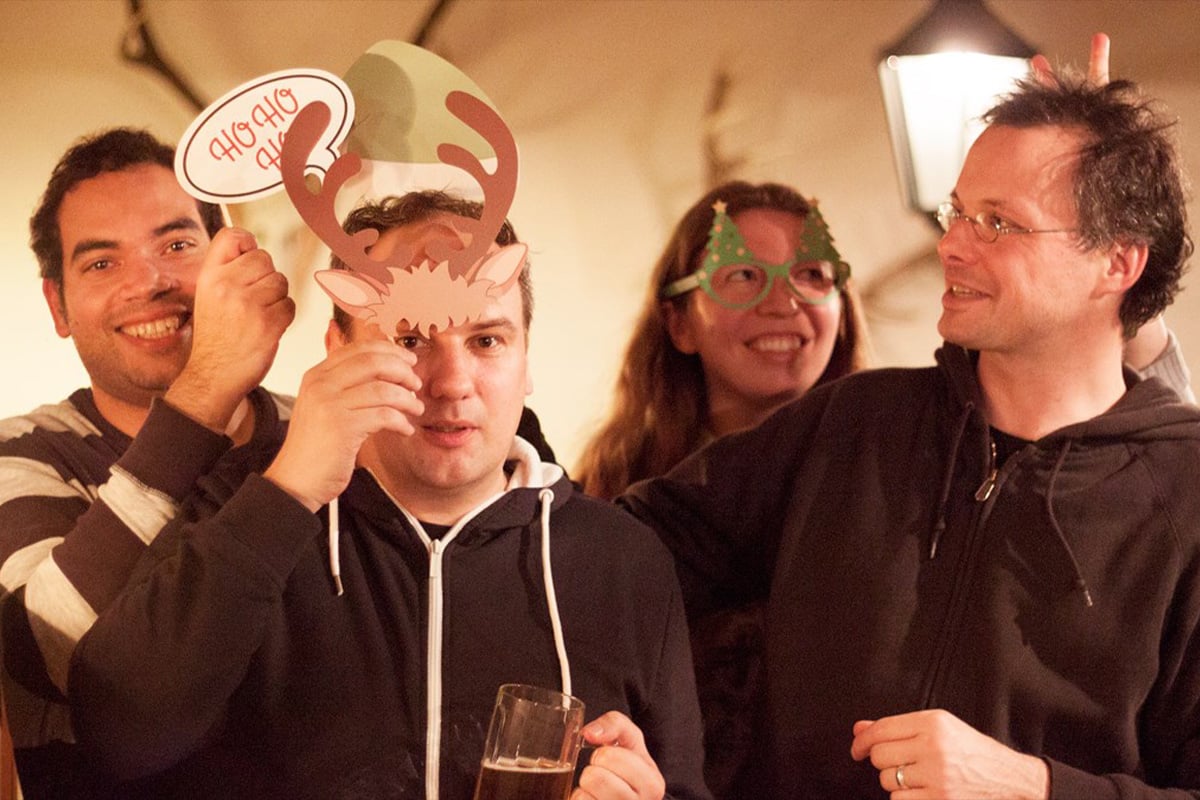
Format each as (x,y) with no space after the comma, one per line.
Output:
(984,577)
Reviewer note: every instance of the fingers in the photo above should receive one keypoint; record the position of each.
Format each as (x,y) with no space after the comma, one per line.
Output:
(1042,71)
(235,257)
(873,737)
(933,754)
(240,312)
(616,729)
(862,725)
(1098,60)
(228,244)
(358,390)
(237,275)
(867,734)
(371,360)
(615,772)
(621,767)
(254,285)
(892,747)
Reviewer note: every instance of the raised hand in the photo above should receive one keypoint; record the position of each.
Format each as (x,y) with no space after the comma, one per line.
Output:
(1097,63)
(241,310)
(621,768)
(359,388)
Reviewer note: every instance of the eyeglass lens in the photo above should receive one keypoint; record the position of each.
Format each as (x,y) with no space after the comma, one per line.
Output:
(744,284)
(947,215)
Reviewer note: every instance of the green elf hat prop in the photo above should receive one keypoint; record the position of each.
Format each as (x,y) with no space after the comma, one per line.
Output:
(400,121)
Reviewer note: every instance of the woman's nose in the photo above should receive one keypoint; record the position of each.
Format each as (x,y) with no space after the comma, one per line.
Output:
(780,299)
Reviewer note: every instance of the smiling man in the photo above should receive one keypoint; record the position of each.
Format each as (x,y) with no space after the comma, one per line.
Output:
(983,577)
(176,322)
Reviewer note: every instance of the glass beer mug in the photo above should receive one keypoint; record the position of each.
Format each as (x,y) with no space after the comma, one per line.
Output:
(532,745)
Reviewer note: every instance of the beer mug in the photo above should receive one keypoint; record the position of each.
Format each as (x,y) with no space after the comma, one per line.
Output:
(532,744)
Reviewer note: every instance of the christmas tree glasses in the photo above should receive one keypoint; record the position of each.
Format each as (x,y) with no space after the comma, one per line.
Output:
(732,276)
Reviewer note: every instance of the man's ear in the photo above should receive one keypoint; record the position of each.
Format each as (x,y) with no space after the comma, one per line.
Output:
(335,337)
(1126,262)
(679,328)
(52,291)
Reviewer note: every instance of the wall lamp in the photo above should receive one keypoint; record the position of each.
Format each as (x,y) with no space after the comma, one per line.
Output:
(937,79)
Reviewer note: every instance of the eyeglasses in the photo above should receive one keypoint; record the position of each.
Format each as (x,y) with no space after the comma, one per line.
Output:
(740,286)
(988,226)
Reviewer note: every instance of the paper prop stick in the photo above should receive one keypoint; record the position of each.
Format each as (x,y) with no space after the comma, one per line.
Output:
(453,284)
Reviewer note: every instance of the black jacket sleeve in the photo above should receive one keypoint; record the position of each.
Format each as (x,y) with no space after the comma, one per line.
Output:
(155,673)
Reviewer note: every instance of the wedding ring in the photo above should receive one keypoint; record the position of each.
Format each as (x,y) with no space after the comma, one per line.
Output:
(900,777)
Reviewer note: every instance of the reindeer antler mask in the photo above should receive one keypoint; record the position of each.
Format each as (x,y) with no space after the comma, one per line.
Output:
(394,85)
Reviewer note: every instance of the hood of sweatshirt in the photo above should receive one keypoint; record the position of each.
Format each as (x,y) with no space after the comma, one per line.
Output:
(516,505)
(1149,411)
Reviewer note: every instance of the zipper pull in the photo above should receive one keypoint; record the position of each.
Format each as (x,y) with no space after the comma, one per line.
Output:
(989,483)
(435,559)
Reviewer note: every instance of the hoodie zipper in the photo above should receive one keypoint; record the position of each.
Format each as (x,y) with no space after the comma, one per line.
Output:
(436,614)
(989,483)
(433,672)
(961,588)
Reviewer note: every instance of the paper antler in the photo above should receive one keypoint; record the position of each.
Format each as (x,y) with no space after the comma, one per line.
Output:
(499,187)
(317,209)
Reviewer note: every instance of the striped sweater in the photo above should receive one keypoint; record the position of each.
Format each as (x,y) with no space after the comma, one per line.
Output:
(79,503)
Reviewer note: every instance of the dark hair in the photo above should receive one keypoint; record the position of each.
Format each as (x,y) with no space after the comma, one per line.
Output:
(1128,185)
(397,211)
(112,150)
(660,408)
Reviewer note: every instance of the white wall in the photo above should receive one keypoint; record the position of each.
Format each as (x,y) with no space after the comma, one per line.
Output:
(607,103)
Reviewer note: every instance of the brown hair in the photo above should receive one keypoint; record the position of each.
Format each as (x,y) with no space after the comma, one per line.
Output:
(398,211)
(112,150)
(661,403)
(1128,185)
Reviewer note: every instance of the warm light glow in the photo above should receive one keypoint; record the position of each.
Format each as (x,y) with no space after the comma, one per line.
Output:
(934,103)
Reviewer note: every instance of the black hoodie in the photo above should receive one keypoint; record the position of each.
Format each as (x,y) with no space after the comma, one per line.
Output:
(232,667)
(1053,605)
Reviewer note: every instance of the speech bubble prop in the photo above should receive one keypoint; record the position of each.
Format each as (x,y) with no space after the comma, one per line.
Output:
(231,151)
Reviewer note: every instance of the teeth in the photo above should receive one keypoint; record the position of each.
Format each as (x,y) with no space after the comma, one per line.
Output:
(153,330)
(959,291)
(776,344)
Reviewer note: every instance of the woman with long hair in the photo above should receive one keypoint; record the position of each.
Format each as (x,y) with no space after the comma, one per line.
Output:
(698,367)
(749,307)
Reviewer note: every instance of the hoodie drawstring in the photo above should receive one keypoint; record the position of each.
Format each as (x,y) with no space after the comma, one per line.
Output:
(335,559)
(1080,583)
(433,690)
(939,526)
(985,491)
(546,496)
